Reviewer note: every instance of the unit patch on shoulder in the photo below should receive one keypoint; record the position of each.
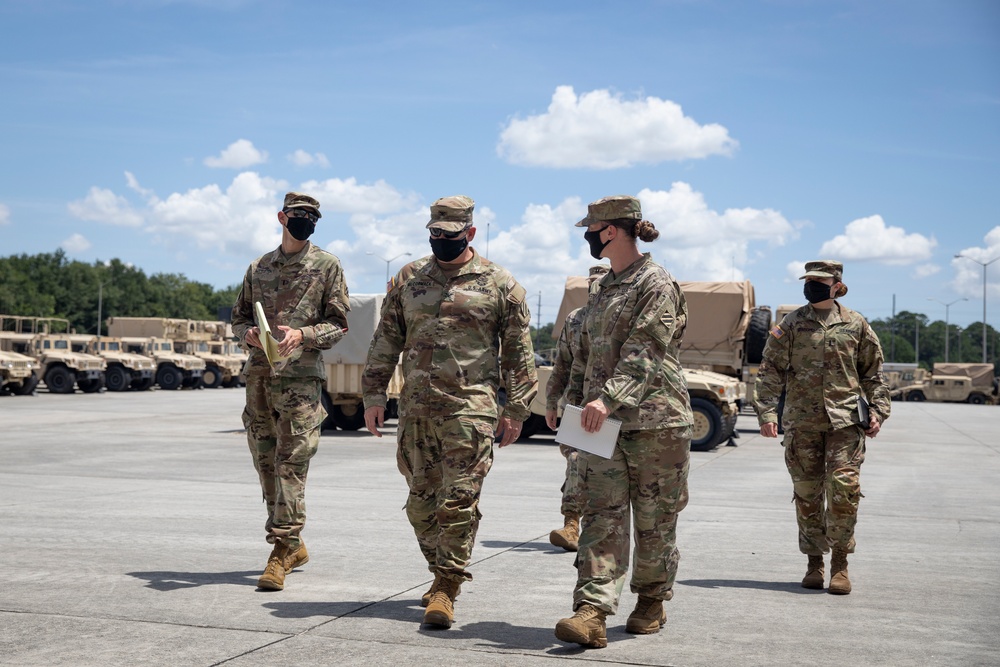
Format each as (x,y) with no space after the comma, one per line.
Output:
(777,332)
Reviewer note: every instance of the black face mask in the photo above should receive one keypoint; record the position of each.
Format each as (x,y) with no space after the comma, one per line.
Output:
(596,247)
(816,291)
(448,249)
(300,228)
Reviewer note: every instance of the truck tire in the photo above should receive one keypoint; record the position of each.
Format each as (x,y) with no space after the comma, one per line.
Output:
(916,396)
(59,380)
(27,386)
(533,425)
(212,377)
(977,399)
(328,424)
(760,324)
(143,384)
(707,430)
(169,377)
(91,386)
(116,378)
(349,417)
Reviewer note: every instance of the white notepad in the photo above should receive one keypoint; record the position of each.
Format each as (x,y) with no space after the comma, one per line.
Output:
(571,433)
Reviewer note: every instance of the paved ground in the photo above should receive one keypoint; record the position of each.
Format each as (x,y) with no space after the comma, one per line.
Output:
(133,536)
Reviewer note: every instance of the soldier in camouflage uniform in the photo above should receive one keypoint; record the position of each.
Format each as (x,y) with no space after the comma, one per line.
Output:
(628,369)
(825,356)
(567,348)
(304,296)
(461,325)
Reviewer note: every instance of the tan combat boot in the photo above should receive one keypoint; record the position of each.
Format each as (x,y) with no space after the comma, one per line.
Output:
(295,558)
(647,617)
(586,627)
(839,583)
(567,537)
(426,597)
(441,606)
(814,573)
(273,578)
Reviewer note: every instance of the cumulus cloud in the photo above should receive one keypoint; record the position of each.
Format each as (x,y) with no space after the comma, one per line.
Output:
(238,155)
(103,205)
(75,244)
(926,270)
(4,215)
(870,239)
(301,158)
(794,270)
(603,130)
(968,280)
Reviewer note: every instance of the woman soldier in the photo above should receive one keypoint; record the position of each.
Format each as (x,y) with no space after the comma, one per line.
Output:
(629,369)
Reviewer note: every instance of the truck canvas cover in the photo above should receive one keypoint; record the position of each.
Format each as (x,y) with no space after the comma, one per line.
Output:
(980,374)
(362,320)
(718,318)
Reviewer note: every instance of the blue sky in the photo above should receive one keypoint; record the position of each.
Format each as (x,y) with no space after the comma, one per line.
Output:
(758,135)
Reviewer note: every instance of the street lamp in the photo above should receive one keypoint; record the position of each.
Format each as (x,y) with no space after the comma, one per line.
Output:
(100,301)
(984,265)
(389,261)
(947,329)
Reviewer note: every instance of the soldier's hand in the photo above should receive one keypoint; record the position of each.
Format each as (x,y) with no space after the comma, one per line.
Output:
(874,426)
(374,419)
(510,430)
(552,418)
(292,340)
(769,430)
(253,337)
(594,414)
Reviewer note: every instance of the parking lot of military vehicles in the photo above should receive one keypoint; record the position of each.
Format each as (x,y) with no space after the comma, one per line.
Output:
(721,350)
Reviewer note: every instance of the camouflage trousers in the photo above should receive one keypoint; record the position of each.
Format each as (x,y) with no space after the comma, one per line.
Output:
(283,418)
(572,502)
(645,480)
(445,462)
(825,467)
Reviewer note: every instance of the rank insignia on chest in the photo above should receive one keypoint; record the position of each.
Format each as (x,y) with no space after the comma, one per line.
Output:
(777,332)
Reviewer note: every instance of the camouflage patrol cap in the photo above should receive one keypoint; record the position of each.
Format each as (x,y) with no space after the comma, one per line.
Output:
(618,207)
(299,200)
(826,268)
(452,214)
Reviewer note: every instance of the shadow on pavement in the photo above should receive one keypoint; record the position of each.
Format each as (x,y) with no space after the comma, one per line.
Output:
(498,635)
(544,547)
(172,581)
(786,586)
(393,610)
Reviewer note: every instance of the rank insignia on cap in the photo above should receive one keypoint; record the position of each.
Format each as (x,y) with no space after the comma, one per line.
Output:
(777,332)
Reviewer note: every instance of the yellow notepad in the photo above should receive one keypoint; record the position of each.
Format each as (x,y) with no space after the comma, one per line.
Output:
(267,341)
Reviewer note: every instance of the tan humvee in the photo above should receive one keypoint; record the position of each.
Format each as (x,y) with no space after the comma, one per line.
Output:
(61,369)
(126,370)
(173,370)
(18,374)
(954,383)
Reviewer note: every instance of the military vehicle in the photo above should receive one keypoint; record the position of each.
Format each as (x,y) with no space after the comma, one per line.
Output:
(18,374)
(344,364)
(61,368)
(954,383)
(726,331)
(126,370)
(714,396)
(173,370)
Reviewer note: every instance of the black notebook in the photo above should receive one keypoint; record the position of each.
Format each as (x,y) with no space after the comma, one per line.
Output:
(864,415)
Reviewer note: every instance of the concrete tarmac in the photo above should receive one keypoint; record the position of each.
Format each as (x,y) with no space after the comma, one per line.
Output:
(133,535)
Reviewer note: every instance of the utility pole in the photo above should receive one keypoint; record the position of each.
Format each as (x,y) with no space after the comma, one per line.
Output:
(538,320)
(892,332)
(947,328)
(916,322)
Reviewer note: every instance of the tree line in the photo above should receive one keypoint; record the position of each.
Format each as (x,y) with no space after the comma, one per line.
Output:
(911,337)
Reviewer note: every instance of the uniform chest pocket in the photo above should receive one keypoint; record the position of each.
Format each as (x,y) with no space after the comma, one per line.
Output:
(615,316)
(470,305)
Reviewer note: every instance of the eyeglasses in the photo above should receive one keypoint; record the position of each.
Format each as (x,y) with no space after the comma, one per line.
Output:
(438,233)
(301,213)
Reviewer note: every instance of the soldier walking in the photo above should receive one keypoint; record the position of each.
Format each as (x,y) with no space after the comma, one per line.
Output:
(825,356)
(302,290)
(461,325)
(568,348)
(629,369)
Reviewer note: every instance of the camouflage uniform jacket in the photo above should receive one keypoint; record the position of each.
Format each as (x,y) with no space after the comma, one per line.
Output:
(451,332)
(823,369)
(305,291)
(567,349)
(630,344)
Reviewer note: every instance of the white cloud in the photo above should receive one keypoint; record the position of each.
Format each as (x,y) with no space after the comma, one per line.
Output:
(4,215)
(238,155)
(968,280)
(869,239)
(301,158)
(926,270)
(103,205)
(133,184)
(75,244)
(602,130)
(794,270)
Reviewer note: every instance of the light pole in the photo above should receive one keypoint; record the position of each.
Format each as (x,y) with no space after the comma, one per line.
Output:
(389,261)
(100,302)
(984,265)
(947,328)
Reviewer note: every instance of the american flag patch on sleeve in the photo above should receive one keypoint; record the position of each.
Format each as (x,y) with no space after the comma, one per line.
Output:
(777,332)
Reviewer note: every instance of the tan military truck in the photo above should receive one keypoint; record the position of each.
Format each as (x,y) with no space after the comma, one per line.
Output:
(18,374)
(126,370)
(714,396)
(61,369)
(955,383)
(173,370)
(344,364)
